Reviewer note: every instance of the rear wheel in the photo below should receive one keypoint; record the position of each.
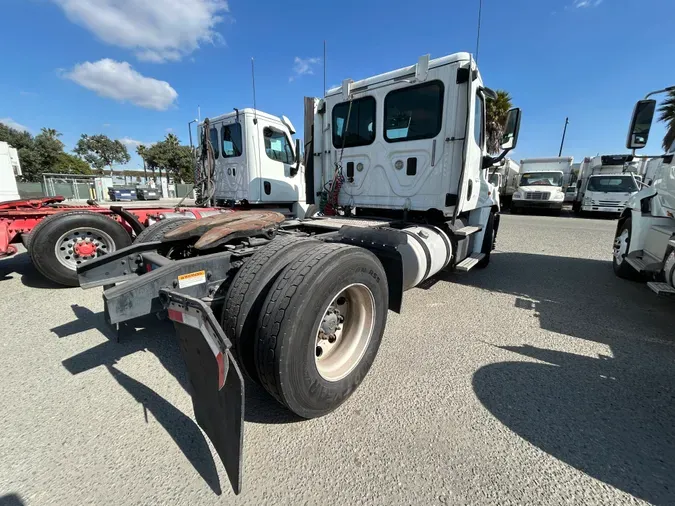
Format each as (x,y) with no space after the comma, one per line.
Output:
(247,293)
(321,327)
(621,248)
(156,231)
(61,242)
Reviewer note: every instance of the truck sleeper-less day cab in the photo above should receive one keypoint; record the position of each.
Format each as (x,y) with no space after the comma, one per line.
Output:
(605,184)
(541,184)
(301,305)
(644,245)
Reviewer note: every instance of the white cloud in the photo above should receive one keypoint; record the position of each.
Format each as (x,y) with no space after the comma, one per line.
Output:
(25,93)
(117,80)
(106,125)
(13,124)
(169,130)
(157,31)
(303,66)
(582,4)
(128,141)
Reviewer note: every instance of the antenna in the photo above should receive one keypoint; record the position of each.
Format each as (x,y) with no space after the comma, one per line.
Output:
(255,110)
(480,12)
(324,68)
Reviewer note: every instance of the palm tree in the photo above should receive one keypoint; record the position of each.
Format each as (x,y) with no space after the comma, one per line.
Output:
(496,112)
(51,132)
(667,115)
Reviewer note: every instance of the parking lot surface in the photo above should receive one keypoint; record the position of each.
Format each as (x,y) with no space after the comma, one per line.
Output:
(543,379)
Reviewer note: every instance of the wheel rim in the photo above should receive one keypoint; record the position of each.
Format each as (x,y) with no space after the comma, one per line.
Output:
(344,332)
(620,247)
(81,244)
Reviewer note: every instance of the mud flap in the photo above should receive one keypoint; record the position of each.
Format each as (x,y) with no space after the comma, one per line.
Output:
(217,386)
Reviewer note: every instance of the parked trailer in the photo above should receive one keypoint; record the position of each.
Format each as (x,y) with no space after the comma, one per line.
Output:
(300,305)
(644,243)
(60,237)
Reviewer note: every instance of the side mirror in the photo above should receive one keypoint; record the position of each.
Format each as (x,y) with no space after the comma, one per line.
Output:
(640,124)
(511,130)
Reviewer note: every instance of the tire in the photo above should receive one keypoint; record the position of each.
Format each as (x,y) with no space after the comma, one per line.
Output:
(247,293)
(576,207)
(49,231)
(623,269)
(514,210)
(157,231)
(297,304)
(488,242)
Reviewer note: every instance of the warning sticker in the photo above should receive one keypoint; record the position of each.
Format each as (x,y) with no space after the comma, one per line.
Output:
(191,279)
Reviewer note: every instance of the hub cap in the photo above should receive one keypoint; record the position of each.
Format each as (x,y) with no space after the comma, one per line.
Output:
(344,332)
(81,244)
(620,247)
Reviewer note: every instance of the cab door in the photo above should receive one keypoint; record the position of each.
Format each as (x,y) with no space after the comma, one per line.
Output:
(277,162)
(474,149)
(231,170)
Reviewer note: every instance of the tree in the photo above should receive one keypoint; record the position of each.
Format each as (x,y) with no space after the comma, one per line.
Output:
(496,111)
(48,148)
(171,156)
(100,151)
(667,115)
(69,164)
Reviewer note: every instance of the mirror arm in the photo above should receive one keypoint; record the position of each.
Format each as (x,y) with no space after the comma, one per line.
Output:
(489,161)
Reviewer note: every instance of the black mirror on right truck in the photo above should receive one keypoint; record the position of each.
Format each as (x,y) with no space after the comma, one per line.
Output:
(511,129)
(640,124)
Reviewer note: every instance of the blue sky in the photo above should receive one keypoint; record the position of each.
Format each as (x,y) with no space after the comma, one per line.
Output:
(135,69)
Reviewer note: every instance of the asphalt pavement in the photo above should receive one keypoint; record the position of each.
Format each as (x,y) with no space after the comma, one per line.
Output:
(543,379)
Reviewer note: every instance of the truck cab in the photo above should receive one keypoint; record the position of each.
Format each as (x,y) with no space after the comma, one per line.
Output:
(605,184)
(257,160)
(644,243)
(409,141)
(541,184)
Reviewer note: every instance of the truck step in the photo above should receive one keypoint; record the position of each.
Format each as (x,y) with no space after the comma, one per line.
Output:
(468,230)
(470,262)
(661,288)
(644,263)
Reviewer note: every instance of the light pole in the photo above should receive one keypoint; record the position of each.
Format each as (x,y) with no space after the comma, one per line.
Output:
(562,142)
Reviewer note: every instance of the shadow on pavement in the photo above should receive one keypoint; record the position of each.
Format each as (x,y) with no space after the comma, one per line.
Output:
(158,337)
(11,500)
(20,264)
(608,416)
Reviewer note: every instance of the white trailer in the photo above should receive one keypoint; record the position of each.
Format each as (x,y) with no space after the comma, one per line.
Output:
(398,168)
(605,184)
(644,244)
(504,176)
(10,167)
(541,184)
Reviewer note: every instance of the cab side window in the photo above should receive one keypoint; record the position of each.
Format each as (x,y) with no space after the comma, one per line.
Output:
(479,122)
(277,145)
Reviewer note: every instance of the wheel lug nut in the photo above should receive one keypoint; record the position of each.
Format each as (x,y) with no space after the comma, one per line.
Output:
(332,338)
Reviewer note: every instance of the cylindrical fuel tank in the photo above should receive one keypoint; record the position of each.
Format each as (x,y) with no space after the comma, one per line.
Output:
(427,251)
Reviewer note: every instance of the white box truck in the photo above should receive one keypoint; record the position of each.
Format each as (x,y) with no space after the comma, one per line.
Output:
(644,243)
(504,176)
(541,184)
(605,184)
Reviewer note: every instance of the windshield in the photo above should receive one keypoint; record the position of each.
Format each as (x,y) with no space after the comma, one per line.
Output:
(613,184)
(541,179)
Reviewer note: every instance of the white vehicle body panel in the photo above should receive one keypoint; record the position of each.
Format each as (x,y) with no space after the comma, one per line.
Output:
(9,169)
(543,196)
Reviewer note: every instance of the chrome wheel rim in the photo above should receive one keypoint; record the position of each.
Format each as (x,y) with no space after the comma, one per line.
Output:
(344,332)
(620,247)
(81,244)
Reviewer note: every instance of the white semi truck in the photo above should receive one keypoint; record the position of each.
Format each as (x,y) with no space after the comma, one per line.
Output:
(605,184)
(644,244)
(398,169)
(504,176)
(10,167)
(541,184)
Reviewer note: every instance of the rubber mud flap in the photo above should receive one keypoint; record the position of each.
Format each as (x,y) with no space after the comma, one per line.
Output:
(218,411)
